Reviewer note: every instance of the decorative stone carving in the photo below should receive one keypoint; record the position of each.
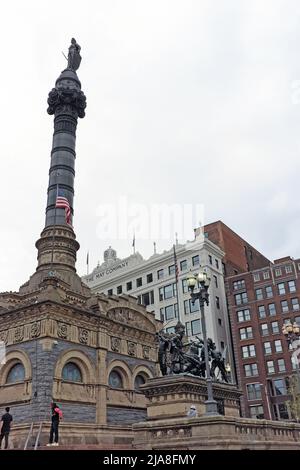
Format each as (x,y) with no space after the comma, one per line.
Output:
(62,330)
(131,348)
(4,336)
(19,334)
(64,99)
(115,344)
(83,336)
(35,329)
(146,352)
(129,317)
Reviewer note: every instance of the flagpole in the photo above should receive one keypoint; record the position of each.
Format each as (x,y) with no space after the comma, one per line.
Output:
(53,236)
(133,243)
(87,263)
(177,290)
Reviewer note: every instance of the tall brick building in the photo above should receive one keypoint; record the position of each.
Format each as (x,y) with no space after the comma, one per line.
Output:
(261,296)
(260,302)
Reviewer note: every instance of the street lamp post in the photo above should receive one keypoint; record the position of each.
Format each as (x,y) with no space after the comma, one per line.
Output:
(202,295)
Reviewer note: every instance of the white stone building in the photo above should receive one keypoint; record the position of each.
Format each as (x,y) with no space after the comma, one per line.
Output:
(152,281)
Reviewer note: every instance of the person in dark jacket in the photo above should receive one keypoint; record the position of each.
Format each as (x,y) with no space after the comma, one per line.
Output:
(6,425)
(56,416)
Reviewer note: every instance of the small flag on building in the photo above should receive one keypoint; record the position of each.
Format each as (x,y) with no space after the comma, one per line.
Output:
(63,203)
(133,243)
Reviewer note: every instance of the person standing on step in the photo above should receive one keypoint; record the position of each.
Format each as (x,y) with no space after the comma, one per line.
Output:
(56,417)
(6,426)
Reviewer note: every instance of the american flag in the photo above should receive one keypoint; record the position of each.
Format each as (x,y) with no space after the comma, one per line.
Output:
(176,265)
(63,203)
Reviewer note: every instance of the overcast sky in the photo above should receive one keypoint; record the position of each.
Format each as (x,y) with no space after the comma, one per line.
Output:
(189,102)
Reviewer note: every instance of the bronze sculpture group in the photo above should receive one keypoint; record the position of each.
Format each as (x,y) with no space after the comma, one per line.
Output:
(175,358)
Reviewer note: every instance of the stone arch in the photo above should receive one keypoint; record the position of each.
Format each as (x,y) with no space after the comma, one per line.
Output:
(143,371)
(12,358)
(81,360)
(123,369)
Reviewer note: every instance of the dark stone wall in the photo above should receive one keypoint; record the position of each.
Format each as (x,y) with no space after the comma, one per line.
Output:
(43,364)
(119,416)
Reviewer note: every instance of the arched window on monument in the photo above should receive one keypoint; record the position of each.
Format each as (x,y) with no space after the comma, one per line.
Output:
(71,372)
(115,379)
(138,381)
(16,374)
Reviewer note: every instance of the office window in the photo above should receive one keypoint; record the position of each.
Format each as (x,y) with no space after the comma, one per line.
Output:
(195,260)
(259,294)
(283,411)
(248,351)
(218,302)
(119,290)
(254,391)
(269,292)
(147,298)
(110,292)
(279,387)
(281,365)
(270,367)
(129,285)
(139,282)
(196,327)
(224,269)
(292,286)
(216,281)
(210,259)
(222,345)
(288,269)
(241,298)
(160,274)
(257,412)
(275,327)
(297,320)
(261,311)
(251,370)
(194,307)
(217,263)
(264,329)
(246,333)
(170,312)
(243,315)
(162,317)
(278,345)
(171,329)
(220,321)
(188,328)
(281,288)
(284,306)
(266,275)
(184,286)
(183,265)
(278,272)
(239,284)
(149,278)
(171,269)
(272,309)
(186,307)
(267,347)
(167,292)
(295,304)
(256,277)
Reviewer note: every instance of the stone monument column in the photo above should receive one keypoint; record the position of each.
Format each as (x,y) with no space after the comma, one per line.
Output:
(67,103)
(57,245)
